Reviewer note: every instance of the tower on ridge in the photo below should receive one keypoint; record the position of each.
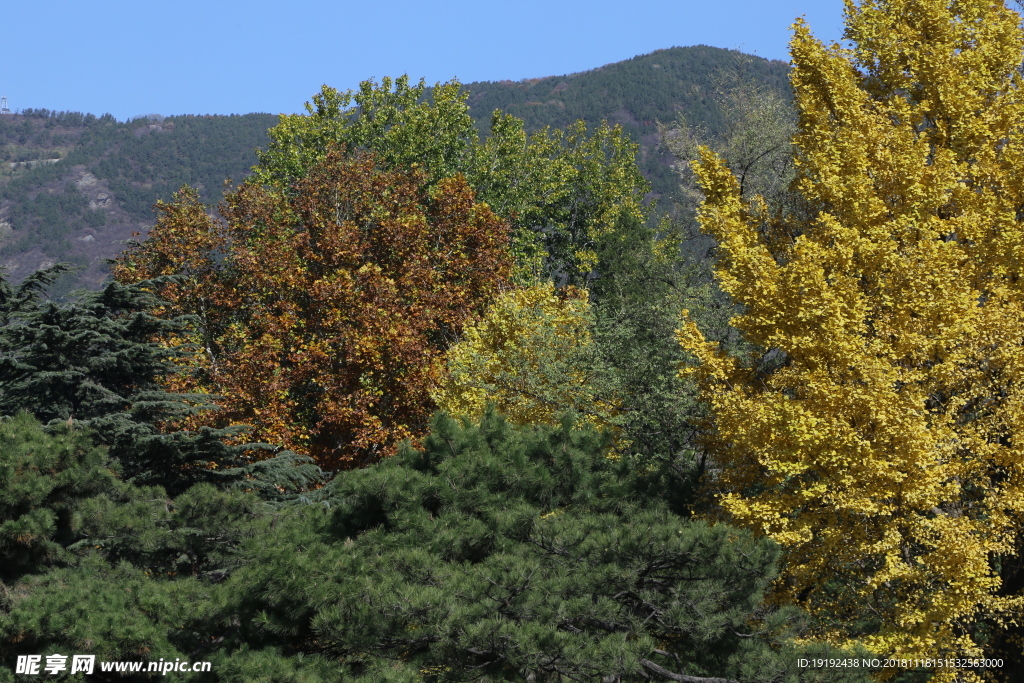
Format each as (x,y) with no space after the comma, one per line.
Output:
(3,105)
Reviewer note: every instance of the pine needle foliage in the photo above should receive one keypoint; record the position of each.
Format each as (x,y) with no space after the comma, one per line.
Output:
(498,553)
(97,364)
(95,565)
(41,479)
(492,553)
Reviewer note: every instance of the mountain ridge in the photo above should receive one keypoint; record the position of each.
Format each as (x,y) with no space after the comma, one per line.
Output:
(107,174)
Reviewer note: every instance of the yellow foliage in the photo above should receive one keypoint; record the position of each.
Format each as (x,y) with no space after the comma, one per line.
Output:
(877,435)
(530,355)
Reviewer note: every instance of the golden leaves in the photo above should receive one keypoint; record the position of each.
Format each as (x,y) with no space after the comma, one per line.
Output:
(530,355)
(881,448)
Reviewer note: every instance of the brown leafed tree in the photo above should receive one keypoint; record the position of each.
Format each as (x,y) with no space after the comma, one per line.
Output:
(324,312)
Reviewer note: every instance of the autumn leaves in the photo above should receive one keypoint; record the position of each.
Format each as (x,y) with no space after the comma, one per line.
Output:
(327,294)
(386,262)
(884,453)
(326,310)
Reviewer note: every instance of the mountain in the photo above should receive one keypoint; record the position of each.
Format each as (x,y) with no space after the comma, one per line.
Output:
(74,186)
(678,82)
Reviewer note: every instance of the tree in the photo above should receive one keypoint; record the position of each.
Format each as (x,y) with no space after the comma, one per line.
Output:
(559,190)
(500,553)
(325,311)
(532,356)
(875,433)
(754,140)
(95,363)
(643,283)
(609,354)
(36,508)
(95,565)
(493,553)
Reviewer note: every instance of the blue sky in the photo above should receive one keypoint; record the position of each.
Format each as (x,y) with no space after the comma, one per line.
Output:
(214,57)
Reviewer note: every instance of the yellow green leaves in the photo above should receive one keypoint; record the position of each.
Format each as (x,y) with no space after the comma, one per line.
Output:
(560,191)
(531,355)
(394,120)
(875,432)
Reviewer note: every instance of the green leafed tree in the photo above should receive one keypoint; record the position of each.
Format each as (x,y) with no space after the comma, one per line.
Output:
(559,189)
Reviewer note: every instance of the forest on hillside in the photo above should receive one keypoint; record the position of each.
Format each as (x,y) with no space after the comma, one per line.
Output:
(425,403)
(74,187)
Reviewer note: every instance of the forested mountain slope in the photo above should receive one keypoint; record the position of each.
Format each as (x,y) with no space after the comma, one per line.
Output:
(637,94)
(74,186)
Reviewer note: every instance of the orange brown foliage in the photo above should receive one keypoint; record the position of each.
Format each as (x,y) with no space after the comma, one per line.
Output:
(324,314)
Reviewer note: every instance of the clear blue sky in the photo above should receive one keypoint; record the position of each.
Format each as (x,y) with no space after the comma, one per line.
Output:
(215,57)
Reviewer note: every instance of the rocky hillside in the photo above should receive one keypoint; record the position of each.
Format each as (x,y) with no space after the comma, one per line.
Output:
(73,187)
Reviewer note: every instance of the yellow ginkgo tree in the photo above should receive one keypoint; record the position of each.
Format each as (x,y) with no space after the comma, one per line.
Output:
(877,433)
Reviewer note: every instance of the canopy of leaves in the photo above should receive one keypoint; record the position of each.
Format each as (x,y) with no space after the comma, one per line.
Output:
(559,189)
(531,355)
(325,312)
(875,433)
(95,565)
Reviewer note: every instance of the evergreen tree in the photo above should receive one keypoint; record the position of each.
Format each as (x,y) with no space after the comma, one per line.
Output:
(42,477)
(94,565)
(495,553)
(96,364)
(498,553)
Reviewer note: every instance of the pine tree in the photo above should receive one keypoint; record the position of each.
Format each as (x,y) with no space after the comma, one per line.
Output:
(500,553)
(94,565)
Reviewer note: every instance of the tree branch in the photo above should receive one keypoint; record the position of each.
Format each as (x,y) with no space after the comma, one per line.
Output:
(665,673)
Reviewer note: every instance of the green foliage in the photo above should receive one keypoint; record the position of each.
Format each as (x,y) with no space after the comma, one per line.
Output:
(393,120)
(563,190)
(41,478)
(116,612)
(558,189)
(494,553)
(642,284)
(635,93)
(95,565)
(498,553)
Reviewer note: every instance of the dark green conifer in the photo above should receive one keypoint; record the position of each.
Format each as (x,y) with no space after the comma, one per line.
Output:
(498,553)
(96,363)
